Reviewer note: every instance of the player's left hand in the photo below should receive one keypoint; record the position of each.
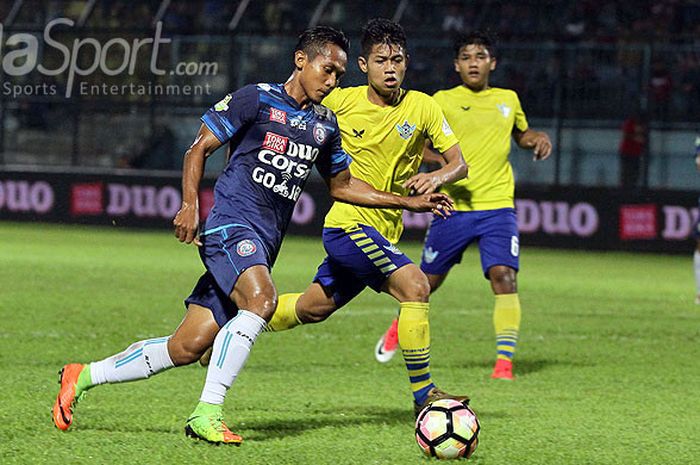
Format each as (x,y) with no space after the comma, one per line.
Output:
(542,146)
(422,183)
(437,203)
(186,223)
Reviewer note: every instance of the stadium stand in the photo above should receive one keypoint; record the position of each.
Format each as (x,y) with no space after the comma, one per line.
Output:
(579,67)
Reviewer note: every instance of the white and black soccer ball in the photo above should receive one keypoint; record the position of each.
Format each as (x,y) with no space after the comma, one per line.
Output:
(447,429)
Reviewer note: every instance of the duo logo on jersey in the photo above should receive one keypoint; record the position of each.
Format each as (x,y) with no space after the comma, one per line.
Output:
(359,133)
(406,130)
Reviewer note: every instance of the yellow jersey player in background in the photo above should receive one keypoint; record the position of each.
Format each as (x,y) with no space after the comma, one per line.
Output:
(384,129)
(484,119)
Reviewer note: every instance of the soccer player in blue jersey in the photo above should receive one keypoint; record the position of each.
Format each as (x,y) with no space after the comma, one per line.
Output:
(275,133)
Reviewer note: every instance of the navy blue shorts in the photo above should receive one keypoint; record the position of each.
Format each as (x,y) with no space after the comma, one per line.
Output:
(357,259)
(226,252)
(496,232)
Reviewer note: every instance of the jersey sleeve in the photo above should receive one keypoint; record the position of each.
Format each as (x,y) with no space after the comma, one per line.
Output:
(336,159)
(437,129)
(520,122)
(232,113)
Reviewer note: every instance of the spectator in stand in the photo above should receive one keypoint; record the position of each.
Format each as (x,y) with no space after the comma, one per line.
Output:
(632,148)
(690,85)
(660,87)
(454,18)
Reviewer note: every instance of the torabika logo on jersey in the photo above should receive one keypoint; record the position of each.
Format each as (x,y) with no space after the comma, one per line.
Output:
(246,248)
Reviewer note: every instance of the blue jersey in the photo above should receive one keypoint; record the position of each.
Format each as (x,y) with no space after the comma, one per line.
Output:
(273,143)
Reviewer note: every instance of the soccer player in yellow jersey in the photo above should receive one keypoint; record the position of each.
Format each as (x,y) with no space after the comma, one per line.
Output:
(384,129)
(484,119)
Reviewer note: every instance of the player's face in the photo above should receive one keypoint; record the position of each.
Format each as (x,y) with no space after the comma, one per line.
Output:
(474,64)
(385,67)
(318,77)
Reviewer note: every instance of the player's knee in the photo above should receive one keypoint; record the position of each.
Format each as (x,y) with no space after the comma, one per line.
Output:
(503,280)
(417,289)
(263,303)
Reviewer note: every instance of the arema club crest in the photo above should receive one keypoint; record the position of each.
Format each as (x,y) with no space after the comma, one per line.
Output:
(319,133)
(245,248)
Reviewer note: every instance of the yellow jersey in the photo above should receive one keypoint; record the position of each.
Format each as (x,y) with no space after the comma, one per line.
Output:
(386,146)
(483,122)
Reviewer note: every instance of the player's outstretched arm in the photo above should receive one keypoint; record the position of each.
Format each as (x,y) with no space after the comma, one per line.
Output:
(186,221)
(537,141)
(343,187)
(454,169)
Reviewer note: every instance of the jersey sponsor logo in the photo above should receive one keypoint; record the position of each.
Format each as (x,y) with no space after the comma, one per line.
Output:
(298,122)
(282,167)
(246,248)
(514,246)
(275,142)
(319,133)
(393,249)
(222,105)
(429,255)
(406,130)
(277,115)
(504,109)
(359,133)
(282,188)
(446,129)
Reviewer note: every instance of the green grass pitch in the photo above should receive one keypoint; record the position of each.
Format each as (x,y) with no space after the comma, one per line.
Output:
(607,363)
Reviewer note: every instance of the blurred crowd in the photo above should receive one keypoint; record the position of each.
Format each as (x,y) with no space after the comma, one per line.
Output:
(601,21)
(589,59)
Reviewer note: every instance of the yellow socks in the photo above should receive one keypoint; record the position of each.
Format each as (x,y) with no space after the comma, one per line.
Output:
(285,316)
(506,323)
(414,340)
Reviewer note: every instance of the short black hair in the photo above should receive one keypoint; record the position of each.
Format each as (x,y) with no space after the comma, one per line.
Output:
(312,40)
(482,38)
(381,31)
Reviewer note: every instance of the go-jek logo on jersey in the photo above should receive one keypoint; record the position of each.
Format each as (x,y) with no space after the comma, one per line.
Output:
(289,159)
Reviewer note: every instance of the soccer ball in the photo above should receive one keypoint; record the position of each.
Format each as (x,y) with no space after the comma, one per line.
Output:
(447,429)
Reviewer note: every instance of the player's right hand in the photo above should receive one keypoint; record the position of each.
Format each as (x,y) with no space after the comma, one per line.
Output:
(186,223)
(437,203)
